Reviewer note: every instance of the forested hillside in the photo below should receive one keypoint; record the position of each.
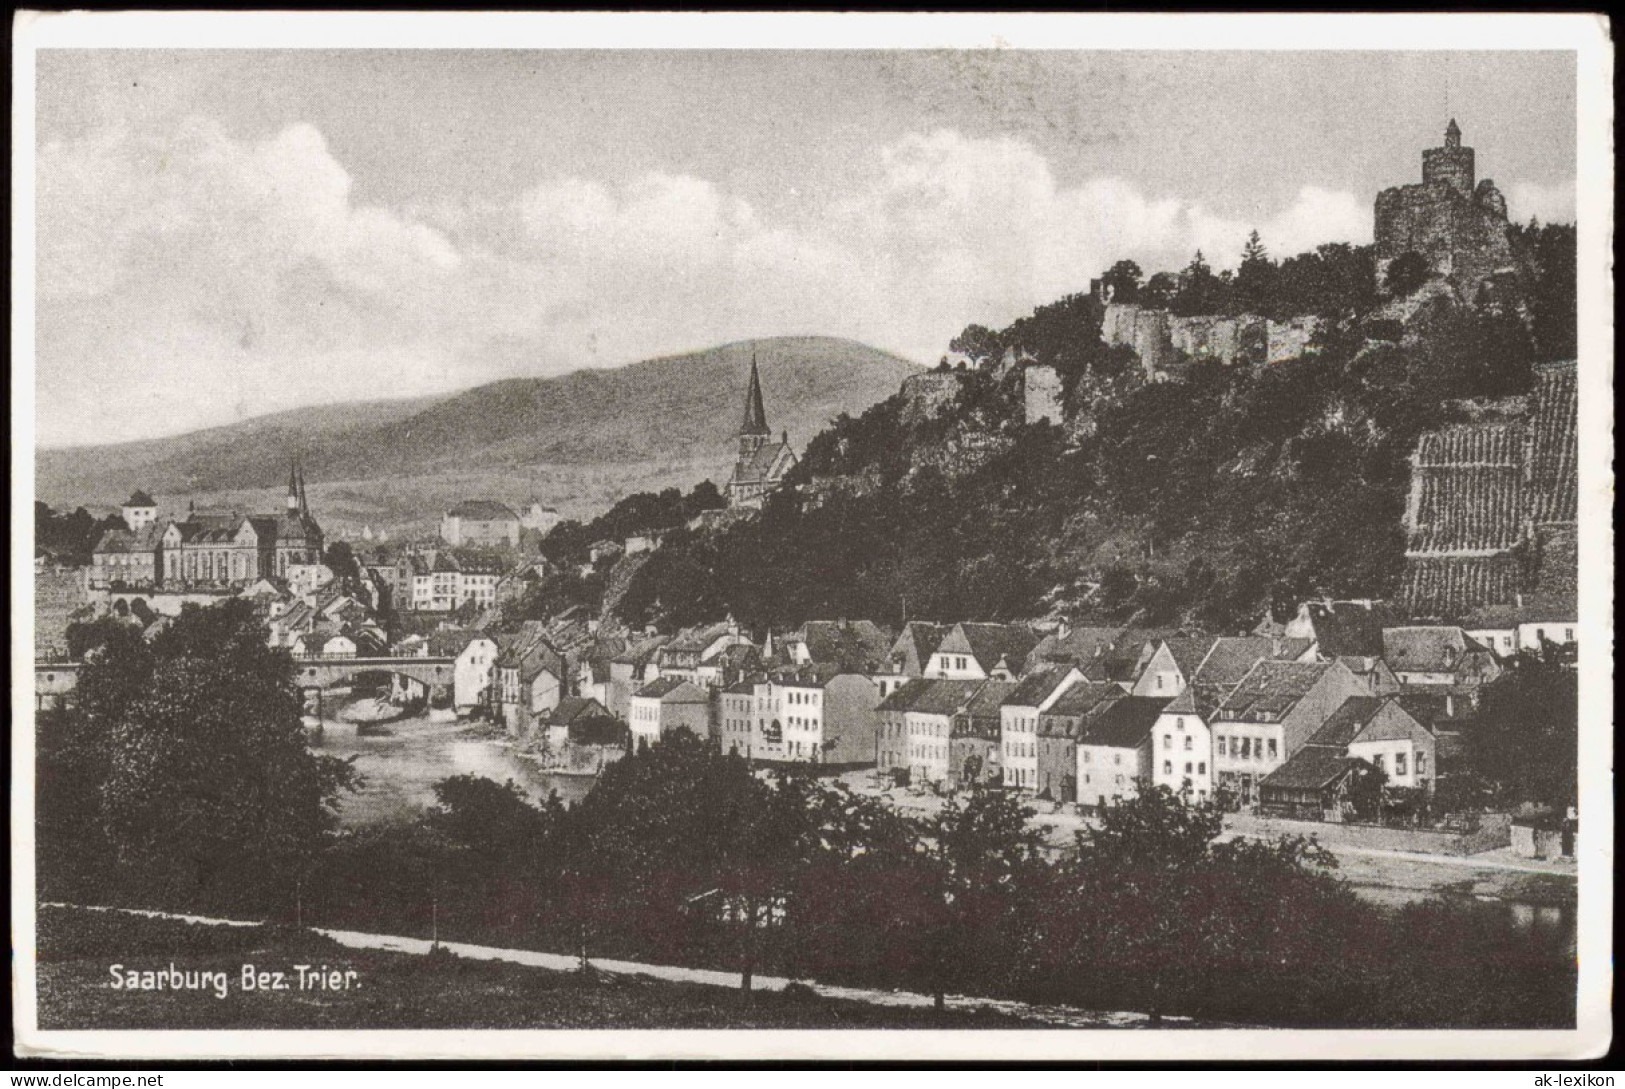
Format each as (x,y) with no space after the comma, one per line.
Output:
(1206,499)
(398,464)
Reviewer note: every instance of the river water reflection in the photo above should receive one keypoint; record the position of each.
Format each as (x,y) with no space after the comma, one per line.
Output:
(401,769)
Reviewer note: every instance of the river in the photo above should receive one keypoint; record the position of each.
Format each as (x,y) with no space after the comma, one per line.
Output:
(399,770)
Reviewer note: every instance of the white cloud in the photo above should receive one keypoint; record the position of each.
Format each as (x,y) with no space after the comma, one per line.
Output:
(1547,203)
(199,276)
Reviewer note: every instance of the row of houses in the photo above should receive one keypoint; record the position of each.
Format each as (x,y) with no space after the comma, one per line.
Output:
(1285,720)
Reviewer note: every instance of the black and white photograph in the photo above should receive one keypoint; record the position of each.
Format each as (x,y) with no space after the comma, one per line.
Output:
(629,535)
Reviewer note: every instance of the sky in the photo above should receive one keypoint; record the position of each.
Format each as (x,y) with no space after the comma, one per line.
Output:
(226,234)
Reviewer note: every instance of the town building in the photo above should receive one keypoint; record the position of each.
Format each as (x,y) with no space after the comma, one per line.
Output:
(688,653)
(666,705)
(580,713)
(1270,715)
(736,719)
(1232,657)
(915,645)
(917,726)
(975,742)
(1440,657)
(307,578)
(1170,664)
(811,715)
(475,666)
(528,683)
(1371,732)
(1018,721)
(631,669)
(1379,680)
(480,523)
(1060,728)
(1314,785)
(762,464)
(126,557)
(1115,752)
(727,664)
(857,646)
(1182,743)
(973,651)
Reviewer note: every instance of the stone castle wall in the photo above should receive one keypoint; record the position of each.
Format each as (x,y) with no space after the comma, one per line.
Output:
(1160,338)
(926,395)
(1041,394)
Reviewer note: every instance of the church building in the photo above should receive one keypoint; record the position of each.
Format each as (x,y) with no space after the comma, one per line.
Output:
(762,463)
(236,550)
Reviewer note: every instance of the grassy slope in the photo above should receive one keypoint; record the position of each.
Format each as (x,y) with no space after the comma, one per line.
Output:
(582,438)
(396,990)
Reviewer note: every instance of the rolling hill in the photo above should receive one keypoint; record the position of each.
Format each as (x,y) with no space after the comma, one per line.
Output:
(578,441)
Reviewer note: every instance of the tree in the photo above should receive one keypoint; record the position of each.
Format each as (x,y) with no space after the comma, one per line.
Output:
(83,636)
(1123,281)
(1525,744)
(1200,291)
(976,852)
(340,558)
(977,342)
(1255,279)
(1159,291)
(211,789)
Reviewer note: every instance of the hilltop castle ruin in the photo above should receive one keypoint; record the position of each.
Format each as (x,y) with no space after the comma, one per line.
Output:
(1458,226)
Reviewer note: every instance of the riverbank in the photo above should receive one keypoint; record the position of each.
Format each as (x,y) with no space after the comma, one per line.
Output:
(399,769)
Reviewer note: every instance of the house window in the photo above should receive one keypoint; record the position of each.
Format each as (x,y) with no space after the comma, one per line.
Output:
(1159,682)
(1222,745)
(1117,758)
(1399,763)
(1187,767)
(1377,760)
(1087,756)
(1201,768)
(1167,741)
(1568,635)
(1167,767)
(1189,742)
(1421,763)
(1272,748)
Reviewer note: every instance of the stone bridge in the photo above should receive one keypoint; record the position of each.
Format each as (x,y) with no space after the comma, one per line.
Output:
(321,671)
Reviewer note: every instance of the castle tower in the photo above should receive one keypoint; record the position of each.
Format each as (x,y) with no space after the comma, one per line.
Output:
(753,432)
(1451,164)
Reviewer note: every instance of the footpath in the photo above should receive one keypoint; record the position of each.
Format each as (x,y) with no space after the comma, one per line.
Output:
(1058,1016)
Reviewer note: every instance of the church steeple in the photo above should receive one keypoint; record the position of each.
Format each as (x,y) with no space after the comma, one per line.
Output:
(304,506)
(753,431)
(755,415)
(293,486)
